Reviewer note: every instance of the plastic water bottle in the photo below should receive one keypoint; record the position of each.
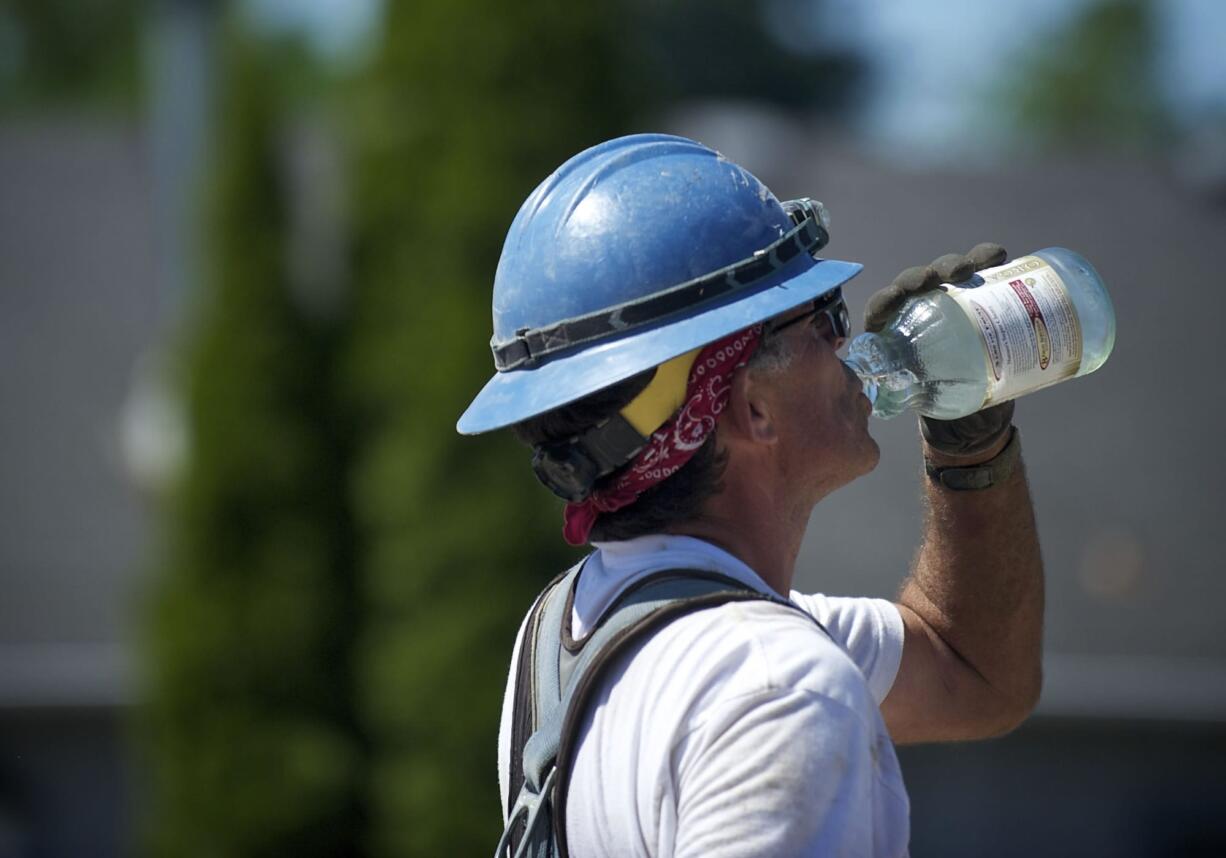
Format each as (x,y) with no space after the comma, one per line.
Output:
(1008,331)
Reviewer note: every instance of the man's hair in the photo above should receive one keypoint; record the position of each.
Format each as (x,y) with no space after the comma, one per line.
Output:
(678,498)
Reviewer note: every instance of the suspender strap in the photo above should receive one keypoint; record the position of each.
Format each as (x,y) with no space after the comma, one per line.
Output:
(528,833)
(523,712)
(641,615)
(566,673)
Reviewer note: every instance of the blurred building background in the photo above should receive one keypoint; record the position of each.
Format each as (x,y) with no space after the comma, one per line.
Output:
(245,255)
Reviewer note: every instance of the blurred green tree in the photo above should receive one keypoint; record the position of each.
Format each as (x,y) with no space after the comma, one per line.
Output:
(79,52)
(250,723)
(345,573)
(731,49)
(468,104)
(1094,82)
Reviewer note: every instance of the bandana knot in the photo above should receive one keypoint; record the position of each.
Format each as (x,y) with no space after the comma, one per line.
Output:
(675,443)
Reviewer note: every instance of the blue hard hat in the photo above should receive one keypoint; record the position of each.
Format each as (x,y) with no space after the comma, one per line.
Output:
(633,252)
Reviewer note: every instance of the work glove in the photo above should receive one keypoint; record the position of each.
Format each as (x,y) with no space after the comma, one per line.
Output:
(975,433)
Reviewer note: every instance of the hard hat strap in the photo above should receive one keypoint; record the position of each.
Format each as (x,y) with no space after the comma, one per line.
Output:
(672,445)
(569,468)
(530,345)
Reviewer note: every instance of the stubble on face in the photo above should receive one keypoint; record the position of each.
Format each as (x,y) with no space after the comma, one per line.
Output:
(863,412)
(829,415)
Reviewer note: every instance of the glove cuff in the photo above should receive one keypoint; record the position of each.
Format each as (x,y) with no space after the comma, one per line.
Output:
(993,472)
(970,435)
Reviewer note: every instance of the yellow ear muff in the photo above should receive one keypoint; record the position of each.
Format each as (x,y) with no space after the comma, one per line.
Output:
(660,399)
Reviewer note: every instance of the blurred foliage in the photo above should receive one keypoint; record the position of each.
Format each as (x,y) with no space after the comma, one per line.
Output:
(70,52)
(250,725)
(723,49)
(1092,83)
(345,573)
(467,106)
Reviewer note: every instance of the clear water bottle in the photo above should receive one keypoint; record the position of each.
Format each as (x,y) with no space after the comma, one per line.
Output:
(1008,331)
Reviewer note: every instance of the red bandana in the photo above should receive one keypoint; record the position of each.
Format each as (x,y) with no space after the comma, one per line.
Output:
(674,443)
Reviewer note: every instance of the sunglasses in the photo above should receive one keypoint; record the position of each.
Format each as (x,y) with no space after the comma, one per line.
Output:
(830,305)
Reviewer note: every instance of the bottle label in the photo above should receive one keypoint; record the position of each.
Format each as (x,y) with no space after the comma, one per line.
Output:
(1029,326)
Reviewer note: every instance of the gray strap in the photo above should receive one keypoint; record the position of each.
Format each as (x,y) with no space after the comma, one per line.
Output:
(531,808)
(548,684)
(532,793)
(541,751)
(636,604)
(558,671)
(639,615)
(565,681)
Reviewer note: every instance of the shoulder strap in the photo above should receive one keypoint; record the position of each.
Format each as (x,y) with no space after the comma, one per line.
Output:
(638,615)
(528,830)
(566,673)
(524,712)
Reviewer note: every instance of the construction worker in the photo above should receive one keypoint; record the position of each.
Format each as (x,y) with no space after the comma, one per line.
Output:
(667,341)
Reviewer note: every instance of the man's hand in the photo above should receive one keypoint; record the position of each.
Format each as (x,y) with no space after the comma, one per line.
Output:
(972,607)
(977,437)
(950,268)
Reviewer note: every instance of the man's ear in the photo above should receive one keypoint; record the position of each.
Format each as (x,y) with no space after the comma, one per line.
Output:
(750,413)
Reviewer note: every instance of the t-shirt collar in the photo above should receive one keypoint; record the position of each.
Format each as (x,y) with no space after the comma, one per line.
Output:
(614,566)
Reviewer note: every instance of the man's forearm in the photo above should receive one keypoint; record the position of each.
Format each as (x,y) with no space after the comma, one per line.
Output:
(978,583)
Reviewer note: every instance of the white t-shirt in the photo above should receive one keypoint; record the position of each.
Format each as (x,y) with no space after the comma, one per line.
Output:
(738,731)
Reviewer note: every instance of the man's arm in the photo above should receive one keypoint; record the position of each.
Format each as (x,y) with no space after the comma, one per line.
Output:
(973,611)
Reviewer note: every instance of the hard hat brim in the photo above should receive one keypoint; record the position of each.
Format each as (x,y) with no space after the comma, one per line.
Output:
(513,396)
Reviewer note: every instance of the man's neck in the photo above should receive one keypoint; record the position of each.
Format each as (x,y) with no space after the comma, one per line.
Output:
(750,525)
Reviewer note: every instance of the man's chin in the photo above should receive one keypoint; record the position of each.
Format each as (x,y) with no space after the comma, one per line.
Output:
(872,453)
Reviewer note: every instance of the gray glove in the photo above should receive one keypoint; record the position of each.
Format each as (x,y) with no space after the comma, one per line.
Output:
(974,433)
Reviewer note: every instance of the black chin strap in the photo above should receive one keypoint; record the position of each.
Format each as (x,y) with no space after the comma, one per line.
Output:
(570,468)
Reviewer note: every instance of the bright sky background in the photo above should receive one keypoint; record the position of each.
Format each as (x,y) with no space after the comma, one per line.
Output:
(938,61)
(935,61)
(337,27)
